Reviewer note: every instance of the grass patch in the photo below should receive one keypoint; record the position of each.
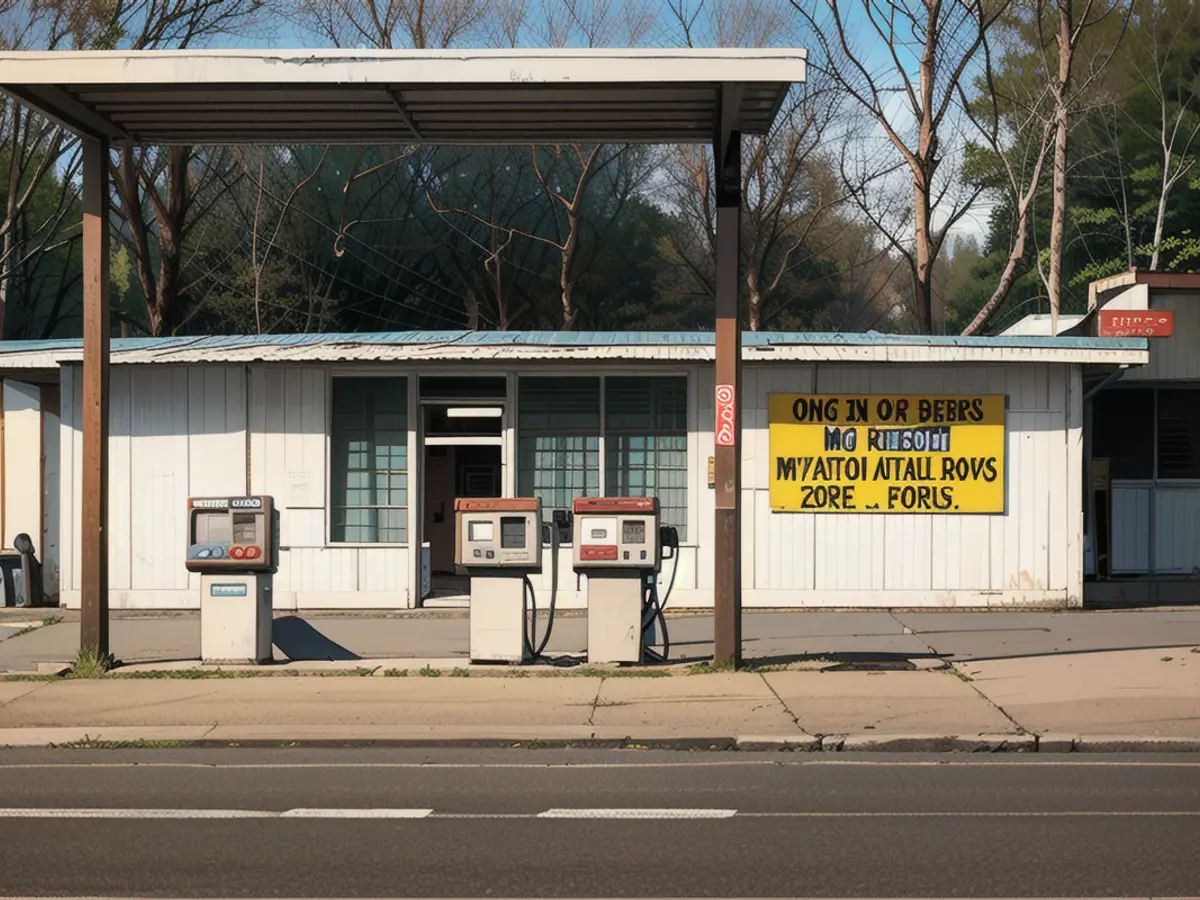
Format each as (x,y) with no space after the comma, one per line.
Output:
(529,745)
(90,743)
(195,674)
(430,672)
(459,672)
(961,676)
(90,664)
(712,667)
(1196,649)
(395,673)
(46,622)
(28,676)
(597,672)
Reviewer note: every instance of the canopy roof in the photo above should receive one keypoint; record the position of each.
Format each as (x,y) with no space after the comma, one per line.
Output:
(428,96)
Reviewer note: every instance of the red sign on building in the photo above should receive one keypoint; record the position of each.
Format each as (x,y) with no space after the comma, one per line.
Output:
(1136,323)
(725,416)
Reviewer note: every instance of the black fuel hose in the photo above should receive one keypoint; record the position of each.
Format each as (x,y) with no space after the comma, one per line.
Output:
(537,655)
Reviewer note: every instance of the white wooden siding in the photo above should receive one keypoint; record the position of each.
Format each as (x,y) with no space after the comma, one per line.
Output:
(174,432)
(1176,357)
(289,420)
(830,559)
(181,431)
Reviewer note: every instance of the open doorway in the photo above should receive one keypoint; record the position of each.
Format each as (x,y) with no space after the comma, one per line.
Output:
(450,472)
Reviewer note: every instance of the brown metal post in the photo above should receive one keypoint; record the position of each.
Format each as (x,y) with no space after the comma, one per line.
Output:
(93,633)
(727,600)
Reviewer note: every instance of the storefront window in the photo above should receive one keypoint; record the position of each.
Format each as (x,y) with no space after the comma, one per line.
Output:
(1123,432)
(1179,433)
(369,472)
(558,440)
(645,443)
(644,423)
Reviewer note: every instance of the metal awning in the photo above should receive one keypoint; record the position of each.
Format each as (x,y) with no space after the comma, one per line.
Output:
(452,97)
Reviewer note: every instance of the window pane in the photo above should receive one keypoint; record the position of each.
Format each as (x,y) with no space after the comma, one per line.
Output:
(645,443)
(1123,432)
(559,405)
(369,443)
(557,469)
(1179,433)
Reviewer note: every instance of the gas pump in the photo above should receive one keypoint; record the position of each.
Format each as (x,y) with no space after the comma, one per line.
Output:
(231,543)
(619,545)
(498,541)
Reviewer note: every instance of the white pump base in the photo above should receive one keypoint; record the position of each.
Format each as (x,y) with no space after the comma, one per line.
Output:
(498,618)
(614,603)
(235,618)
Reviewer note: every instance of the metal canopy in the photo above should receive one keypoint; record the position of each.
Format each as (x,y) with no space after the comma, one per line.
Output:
(378,97)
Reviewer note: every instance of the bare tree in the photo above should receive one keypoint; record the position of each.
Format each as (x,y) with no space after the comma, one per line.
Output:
(930,47)
(1017,134)
(1061,26)
(391,24)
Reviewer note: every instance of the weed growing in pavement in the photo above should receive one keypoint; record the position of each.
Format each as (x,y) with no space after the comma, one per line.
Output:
(90,664)
(459,672)
(46,622)
(196,674)
(1196,649)
(710,667)
(597,672)
(395,673)
(90,743)
(28,676)
(961,676)
(430,672)
(529,745)
(1167,658)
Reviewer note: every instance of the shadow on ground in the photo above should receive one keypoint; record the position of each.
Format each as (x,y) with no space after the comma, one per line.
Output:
(299,641)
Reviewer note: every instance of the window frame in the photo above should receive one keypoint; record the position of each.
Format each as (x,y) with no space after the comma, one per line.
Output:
(414,497)
(691,377)
(1154,389)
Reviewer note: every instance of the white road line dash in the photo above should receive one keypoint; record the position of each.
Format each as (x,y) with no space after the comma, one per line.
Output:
(638,814)
(356,813)
(96,813)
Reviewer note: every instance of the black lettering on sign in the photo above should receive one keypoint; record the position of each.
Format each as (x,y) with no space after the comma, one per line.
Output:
(785,468)
(919,497)
(813,409)
(832,496)
(969,468)
(856,410)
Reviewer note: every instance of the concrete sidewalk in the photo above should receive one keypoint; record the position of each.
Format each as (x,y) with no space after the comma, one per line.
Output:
(769,637)
(1133,699)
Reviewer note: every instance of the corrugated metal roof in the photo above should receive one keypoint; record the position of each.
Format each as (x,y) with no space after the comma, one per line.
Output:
(547,345)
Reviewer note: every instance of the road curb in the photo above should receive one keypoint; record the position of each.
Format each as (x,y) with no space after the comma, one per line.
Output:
(127,737)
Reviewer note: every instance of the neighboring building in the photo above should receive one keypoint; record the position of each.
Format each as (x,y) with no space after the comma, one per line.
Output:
(1144,435)
(365,440)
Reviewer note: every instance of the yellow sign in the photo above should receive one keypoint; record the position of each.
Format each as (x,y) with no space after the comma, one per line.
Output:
(886,453)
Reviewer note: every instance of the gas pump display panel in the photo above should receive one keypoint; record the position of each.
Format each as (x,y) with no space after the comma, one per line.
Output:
(230,533)
(498,533)
(617,533)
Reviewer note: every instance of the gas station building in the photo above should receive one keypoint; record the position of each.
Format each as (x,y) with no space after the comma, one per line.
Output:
(364,442)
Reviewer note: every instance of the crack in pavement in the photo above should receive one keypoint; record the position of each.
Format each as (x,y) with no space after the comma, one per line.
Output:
(596,701)
(791,715)
(969,683)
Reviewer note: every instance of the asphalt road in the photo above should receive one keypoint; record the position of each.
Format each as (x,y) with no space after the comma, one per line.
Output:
(779,824)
